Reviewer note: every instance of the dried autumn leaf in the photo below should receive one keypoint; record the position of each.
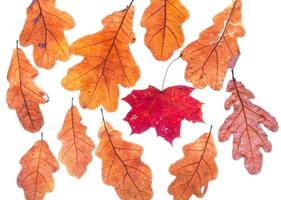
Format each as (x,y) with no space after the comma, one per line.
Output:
(194,171)
(244,124)
(216,50)
(163,20)
(107,63)
(77,147)
(122,167)
(44,29)
(160,109)
(23,95)
(35,177)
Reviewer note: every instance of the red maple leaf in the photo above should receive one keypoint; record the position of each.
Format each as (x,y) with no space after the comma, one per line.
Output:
(244,123)
(163,110)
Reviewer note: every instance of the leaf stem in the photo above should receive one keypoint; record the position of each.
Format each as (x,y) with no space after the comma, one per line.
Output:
(17,44)
(233,77)
(72,101)
(42,134)
(211,129)
(105,127)
(102,116)
(131,3)
(165,76)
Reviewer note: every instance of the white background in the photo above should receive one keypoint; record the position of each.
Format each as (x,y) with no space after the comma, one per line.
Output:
(258,68)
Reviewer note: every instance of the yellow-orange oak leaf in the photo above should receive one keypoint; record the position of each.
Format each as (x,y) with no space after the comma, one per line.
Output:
(44,29)
(35,177)
(107,63)
(122,167)
(77,147)
(245,126)
(216,50)
(194,171)
(23,94)
(163,20)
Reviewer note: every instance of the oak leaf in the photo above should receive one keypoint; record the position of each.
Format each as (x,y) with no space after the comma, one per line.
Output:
(163,20)
(122,167)
(35,177)
(244,123)
(107,63)
(44,29)
(23,94)
(77,147)
(216,50)
(194,171)
(163,110)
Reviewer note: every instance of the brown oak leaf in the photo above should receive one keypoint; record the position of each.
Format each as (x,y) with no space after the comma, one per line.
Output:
(244,124)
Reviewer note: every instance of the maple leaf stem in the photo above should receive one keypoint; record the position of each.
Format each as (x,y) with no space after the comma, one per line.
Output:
(167,70)
(17,44)
(42,136)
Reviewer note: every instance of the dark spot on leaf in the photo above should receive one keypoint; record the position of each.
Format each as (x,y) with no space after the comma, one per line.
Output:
(42,45)
(35,20)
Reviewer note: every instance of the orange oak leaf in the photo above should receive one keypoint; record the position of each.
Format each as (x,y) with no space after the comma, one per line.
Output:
(194,171)
(44,29)
(35,177)
(107,63)
(244,124)
(216,50)
(163,20)
(23,95)
(122,167)
(77,147)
